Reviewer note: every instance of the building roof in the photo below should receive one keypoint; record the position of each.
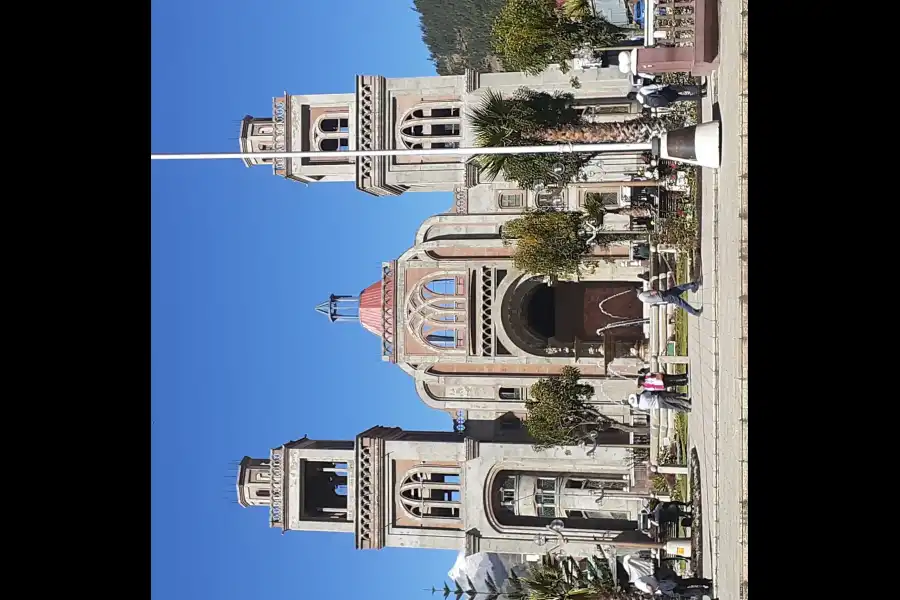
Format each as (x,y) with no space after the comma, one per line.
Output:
(371,309)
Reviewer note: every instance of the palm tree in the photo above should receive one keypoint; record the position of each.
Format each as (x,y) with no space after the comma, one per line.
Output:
(564,578)
(554,578)
(535,118)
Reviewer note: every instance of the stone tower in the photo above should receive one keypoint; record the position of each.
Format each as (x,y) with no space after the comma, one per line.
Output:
(414,113)
(428,489)
(306,485)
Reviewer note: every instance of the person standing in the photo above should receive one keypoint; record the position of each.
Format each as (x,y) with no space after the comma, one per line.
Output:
(648,400)
(672,296)
(661,382)
(660,95)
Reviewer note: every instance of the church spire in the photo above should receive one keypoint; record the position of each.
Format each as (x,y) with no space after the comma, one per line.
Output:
(340,308)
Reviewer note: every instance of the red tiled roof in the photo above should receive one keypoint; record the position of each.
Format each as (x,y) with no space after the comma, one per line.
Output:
(370,309)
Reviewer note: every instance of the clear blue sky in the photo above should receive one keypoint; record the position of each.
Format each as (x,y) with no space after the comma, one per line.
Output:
(241,361)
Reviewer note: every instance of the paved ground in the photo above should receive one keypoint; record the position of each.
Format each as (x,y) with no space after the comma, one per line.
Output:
(717,339)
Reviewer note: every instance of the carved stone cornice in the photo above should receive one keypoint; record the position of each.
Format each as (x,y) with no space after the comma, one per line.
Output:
(370,480)
(372,134)
(460,200)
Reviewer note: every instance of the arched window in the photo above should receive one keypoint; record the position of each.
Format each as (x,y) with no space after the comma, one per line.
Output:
(539,493)
(442,287)
(534,499)
(334,125)
(508,493)
(431,125)
(442,338)
(430,493)
(331,133)
(334,144)
(436,308)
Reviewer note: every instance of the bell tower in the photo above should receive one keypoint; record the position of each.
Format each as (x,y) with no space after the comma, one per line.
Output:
(442,490)
(388,487)
(257,135)
(317,122)
(254,482)
(306,484)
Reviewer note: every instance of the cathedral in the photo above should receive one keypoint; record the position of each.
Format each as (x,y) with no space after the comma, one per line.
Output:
(472,331)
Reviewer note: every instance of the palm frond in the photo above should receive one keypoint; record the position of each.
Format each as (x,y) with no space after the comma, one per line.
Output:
(494,122)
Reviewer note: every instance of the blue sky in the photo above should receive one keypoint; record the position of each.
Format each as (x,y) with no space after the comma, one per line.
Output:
(241,361)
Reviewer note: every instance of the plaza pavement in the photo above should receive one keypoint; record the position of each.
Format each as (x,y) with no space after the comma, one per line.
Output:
(717,340)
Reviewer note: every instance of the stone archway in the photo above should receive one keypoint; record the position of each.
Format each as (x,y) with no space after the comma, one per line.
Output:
(537,317)
(534,499)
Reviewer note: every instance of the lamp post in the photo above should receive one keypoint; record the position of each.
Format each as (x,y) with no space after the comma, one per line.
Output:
(698,145)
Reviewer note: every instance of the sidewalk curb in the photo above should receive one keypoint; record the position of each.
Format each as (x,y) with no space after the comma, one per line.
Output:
(744,307)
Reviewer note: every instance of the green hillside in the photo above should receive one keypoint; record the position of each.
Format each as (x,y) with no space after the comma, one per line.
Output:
(457,33)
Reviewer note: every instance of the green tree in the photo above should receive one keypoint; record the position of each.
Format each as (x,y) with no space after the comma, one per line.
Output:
(530,35)
(556,243)
(559,413)
(553,578)
(532,118)
(458,33)
(548,242)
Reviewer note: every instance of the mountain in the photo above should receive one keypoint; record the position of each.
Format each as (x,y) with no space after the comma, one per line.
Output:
(458,33)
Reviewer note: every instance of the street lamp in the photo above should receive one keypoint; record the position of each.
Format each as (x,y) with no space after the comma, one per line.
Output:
(697,145)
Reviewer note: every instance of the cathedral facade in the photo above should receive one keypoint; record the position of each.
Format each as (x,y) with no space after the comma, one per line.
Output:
(453,312)
(472,331)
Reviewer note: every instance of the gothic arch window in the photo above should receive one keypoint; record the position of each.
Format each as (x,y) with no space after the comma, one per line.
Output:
(442,287)
(436,309)
(430,492)
(431,125)
(331,132)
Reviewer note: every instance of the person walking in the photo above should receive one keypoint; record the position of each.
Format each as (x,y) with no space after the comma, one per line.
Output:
(672,296)
(661,382)
(648,400)
(660,95)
